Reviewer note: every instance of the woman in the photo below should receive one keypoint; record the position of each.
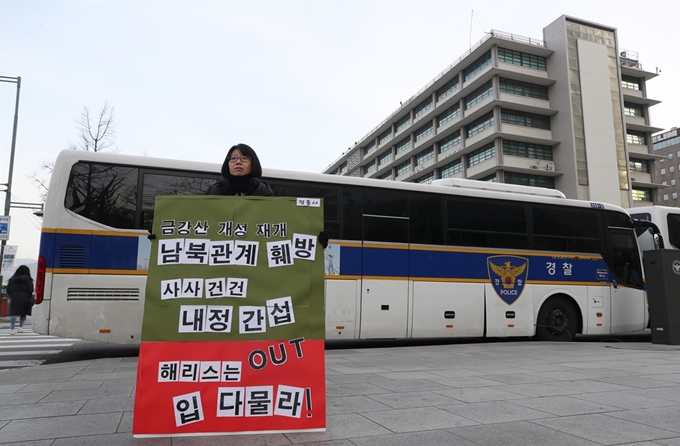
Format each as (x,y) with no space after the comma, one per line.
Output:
(20,290)
(241,173)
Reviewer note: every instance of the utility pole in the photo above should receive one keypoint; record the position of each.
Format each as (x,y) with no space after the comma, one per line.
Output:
(8,190)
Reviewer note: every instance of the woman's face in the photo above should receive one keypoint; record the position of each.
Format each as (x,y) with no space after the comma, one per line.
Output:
(239,165)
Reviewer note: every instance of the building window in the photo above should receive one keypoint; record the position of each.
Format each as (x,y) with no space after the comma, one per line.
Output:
(423,108)
(477,66)
(529,180)
(370,148)
(480,155)
(665,183)
(479,125)
(663,171)
(451,169)
(479,95)
(673,182)
(404,145)
(427,179)
(665,197)
(670,156)
(630,82)
(447,89)
(385,157)
(448,115)
(424,131)
(369,167)
(386,176)
(641,195)
(385,136)
(521,59)
(667,143)
(639,165)
(527,150)
(523,89)
(674,195)
(630,109)
(671,169)
(424,156)
(404,167)
(525,119)
(402,123)
(633,137)
(343,168)
(489,179)
(449,142)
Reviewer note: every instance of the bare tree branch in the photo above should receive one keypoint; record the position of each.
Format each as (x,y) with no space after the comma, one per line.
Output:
(95,133)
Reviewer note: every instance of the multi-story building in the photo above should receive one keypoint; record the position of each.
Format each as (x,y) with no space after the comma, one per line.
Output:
(667,170)
(568,112)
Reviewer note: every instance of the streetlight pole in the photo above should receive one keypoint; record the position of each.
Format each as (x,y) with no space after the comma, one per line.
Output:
(8,191)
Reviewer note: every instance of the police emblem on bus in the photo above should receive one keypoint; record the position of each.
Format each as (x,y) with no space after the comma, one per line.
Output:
(508,275)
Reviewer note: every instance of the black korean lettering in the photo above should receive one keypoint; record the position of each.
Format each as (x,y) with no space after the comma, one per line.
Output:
(168,227)
(226,228)
(263,230)
(184,227)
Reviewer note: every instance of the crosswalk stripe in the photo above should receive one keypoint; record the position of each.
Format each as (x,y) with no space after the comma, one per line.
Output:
(32,352)
(17,339)
(36,346)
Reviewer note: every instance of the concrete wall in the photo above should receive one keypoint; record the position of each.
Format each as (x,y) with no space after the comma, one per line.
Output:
(598,120)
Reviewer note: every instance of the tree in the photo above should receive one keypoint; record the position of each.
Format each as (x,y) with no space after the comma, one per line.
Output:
(96,133)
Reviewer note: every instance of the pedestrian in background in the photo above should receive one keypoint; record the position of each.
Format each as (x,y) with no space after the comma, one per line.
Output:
(20,291)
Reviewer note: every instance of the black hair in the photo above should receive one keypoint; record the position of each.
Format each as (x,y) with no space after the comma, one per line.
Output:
(246,150)
(22,271)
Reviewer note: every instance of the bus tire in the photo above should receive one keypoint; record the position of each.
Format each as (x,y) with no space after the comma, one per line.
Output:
(557,320)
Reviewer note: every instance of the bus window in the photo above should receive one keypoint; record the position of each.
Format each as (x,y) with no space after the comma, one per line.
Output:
(351,213)
(155,184)
(387,202)
(565,230)
(426,217)
(486,223)
(104,193)
(625,262)
(673,221)
(329,193)
(378,206)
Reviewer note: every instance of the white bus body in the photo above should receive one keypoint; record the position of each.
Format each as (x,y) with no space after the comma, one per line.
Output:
(667,219)
(405,260)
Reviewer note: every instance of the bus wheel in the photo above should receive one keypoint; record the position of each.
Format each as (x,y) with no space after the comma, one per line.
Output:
(557,320)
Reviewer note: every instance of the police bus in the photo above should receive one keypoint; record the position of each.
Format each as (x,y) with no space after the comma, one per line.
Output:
(453,259)
(666,219)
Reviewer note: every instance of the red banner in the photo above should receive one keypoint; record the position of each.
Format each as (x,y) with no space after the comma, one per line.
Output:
(230,387)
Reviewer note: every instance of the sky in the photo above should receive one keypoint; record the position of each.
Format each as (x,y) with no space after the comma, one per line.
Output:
(299,81)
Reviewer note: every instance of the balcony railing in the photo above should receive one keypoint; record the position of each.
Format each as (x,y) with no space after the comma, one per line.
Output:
(487,36)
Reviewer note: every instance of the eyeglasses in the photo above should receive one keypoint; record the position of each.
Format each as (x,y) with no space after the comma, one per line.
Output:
(243,159)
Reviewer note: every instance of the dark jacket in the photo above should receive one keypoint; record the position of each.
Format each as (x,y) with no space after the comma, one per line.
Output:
(20,289)
(255,187)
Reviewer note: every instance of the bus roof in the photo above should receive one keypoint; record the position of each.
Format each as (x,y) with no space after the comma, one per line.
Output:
(67,158)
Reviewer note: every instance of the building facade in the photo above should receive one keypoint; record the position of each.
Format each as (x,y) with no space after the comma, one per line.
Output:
(568,112)
(667,170)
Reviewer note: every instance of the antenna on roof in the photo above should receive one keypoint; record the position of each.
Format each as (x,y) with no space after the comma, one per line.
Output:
(471,14)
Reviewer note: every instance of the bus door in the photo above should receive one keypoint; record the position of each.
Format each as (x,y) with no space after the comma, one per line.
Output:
(627,295)
(384,277)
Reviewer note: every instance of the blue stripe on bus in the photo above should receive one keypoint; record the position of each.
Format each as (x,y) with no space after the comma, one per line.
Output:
(88,251)
(111,252)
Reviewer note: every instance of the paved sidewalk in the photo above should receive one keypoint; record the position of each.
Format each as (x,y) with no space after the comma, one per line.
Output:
(506,393)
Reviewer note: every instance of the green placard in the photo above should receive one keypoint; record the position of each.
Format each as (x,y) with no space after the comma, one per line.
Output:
(204,226)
